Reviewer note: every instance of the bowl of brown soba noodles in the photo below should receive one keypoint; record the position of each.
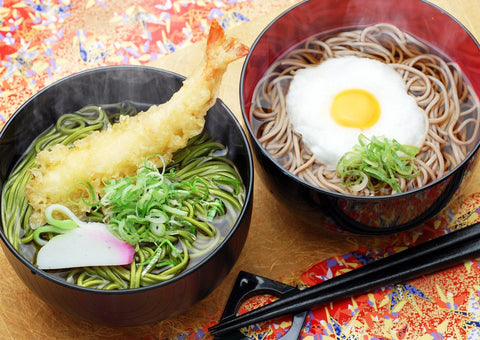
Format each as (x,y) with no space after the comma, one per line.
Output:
(199,204)
(363,114)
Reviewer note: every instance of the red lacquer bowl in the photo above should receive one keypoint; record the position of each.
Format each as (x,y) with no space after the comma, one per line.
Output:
(366,215)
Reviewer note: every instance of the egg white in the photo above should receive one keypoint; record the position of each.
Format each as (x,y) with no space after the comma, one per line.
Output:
(313,90)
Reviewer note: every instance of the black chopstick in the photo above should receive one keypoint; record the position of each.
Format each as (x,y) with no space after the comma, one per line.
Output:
(428,257)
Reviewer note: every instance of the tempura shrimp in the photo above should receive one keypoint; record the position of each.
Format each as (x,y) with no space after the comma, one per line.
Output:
(117,151)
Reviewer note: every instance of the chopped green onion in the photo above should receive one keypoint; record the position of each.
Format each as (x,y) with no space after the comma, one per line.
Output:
(377,160)
(158,207)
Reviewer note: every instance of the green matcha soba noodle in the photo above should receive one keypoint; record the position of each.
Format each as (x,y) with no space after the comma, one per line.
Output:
(190,204)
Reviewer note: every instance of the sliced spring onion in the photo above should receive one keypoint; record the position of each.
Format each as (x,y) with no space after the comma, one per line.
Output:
(158,207)
(374,160)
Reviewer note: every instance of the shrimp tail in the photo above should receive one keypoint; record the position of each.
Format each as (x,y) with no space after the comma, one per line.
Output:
(221,50)
(221,47)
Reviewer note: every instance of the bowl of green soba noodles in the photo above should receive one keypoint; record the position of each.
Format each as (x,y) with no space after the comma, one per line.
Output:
(364,115)
(169,233)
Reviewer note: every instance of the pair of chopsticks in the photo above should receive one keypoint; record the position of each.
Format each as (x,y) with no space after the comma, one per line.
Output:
(428,257)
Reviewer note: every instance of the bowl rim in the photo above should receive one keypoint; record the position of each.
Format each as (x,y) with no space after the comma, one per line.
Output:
(249,188)
(312,187)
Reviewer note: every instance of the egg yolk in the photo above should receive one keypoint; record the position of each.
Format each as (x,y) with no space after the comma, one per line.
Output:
(355,108)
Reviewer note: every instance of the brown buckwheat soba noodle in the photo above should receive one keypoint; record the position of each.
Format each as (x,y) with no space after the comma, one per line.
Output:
(436,83)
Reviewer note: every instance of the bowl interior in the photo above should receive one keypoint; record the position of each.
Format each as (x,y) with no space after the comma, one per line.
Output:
(425,21)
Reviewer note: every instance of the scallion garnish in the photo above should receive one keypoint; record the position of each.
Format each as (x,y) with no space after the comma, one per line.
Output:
(167,207)
(374,160)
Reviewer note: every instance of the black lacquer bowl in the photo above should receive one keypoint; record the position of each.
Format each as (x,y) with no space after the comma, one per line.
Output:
(362,215)
(127,307)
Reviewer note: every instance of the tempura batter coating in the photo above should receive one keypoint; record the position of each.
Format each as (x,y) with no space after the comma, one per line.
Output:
(117,151)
